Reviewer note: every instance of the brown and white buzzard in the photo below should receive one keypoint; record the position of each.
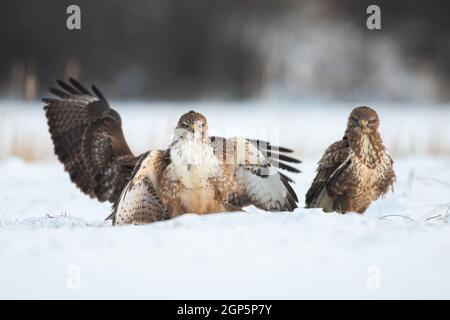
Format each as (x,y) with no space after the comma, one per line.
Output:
(197,173)
(354,171)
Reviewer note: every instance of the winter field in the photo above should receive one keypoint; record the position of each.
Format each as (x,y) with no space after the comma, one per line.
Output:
(54,242)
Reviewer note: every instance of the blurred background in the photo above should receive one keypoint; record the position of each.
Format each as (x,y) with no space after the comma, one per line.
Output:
(288,71)
(229,49)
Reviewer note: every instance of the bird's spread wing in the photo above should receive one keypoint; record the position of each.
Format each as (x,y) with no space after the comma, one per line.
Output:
(277,156)
(261,183)
(333,163)
(88,139)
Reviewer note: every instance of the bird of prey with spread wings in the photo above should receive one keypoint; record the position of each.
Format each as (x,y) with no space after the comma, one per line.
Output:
(354,171)
(197,173)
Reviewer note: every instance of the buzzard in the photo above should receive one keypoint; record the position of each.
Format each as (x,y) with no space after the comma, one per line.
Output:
(197,173)
(354,171)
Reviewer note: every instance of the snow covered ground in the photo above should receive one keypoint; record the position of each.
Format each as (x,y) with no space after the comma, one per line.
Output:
(55,244)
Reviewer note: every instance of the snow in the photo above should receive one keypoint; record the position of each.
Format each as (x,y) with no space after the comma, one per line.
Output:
(54,242)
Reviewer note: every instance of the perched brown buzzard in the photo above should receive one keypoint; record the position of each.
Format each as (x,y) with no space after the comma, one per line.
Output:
(197,173)
(354,171)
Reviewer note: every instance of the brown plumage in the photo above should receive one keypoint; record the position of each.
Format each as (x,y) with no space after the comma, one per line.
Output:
(88,139)
(354,171)
(197,175)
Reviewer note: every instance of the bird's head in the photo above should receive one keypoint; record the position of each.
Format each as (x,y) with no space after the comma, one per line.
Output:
(363,119)
(192,124)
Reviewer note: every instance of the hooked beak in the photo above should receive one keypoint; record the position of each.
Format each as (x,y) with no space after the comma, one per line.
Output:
(363,123)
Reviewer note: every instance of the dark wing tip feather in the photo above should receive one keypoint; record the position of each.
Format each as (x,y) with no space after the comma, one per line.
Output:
(98,93)
(59,93)
(284,166)
(275,156)
(283,157)
(286,177)
(67,87)
(265,145)
(290,189)
(281,149)
(79,86)
(291,195)
(111,215)
(292,203)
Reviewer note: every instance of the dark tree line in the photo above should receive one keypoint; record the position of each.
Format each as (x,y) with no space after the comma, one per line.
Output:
(181,49)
